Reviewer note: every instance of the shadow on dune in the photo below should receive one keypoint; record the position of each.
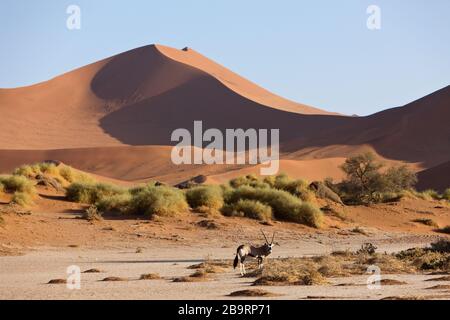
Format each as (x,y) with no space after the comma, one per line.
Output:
(152,121)
(157,95)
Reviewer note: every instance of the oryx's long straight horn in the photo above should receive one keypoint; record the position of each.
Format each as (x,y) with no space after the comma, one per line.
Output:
(273,237)
(267,241)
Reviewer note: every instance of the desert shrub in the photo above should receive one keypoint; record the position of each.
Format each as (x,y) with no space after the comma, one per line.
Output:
(91,193)
(119,203)
(21,184)
(31,171)
(445,229)
(284,205)
(281,181)
(26,171)
(388,197)
(446,194)
(435,257)
(209,197)
(63,173)
(297,187)
(48,168)
(67,173)
(430,193)
(250,209)
(367,248)
(22,199)
(300,189)
(400,178)
(92,214)
(409,194)
(427,222)
(249,180)
(366,184)
(323,191)
(162,201)
(441,245)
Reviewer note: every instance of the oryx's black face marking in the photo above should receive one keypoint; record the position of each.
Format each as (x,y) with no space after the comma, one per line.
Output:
(268,248)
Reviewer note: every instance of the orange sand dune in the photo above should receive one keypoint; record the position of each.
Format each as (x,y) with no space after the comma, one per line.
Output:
(115,118)
(437,178)
(136,98)
(300,169)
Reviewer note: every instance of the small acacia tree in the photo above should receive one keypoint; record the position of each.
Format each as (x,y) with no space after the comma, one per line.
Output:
(365,183)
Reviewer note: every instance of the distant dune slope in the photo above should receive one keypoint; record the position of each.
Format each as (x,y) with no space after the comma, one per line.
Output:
(108,116)
(437,178)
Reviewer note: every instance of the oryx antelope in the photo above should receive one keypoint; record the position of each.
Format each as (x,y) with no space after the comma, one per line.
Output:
(256,252)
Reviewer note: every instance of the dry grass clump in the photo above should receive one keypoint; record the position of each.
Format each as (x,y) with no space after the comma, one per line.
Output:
(12,184)
(315,270)
(403,298)
(309,279)
(252,293)
(289,200)
(249,180)
(198,276)
(57,281)
(430,195)
(290,271)
(249,208)
(391,282)
(204,270)
(445,230)
(427,222)
(91,193)
(208,199)
(445,278)
(92,214)
(285,206)
(22,199)
(150,276)
(94,270)
(114,279)
(148,200)
(446,194)
(22,189)
(359,230)
(296,187)
(211,266)
(208,224)
(436,257)
(117,203)
(440,287)
(160,201)
(63,173)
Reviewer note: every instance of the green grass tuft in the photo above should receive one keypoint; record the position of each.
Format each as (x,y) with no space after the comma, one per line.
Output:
(209,197)
(249,208)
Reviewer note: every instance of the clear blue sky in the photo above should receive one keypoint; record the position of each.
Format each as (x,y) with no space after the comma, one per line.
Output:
(316,52)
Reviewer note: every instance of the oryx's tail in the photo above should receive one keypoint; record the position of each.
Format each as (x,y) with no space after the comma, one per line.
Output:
(235,263)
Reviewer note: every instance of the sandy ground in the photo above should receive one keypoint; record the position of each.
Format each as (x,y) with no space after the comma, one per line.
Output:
(38,245)
(26,276)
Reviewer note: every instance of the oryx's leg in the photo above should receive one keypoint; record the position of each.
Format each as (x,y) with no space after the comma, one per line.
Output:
(243,266)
